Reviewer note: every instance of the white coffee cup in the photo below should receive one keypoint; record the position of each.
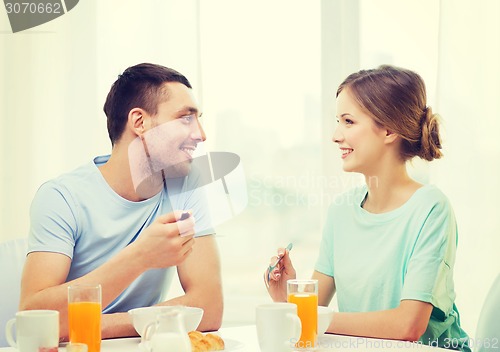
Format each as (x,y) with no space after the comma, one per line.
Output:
(278,327)
(34,329)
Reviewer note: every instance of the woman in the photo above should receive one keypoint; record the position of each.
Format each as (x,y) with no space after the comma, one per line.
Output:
(388,247)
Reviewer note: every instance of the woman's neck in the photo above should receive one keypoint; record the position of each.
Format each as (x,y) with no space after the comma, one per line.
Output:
(389,189)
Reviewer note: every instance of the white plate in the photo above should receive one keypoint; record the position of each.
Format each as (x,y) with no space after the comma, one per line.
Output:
(230,345)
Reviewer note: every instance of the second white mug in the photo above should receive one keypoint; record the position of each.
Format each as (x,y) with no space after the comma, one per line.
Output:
(35,329)
(278,326)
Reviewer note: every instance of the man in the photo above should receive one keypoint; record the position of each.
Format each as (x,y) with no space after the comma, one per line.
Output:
(112,221)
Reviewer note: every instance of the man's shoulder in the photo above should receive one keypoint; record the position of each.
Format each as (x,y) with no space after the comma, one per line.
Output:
(75,178)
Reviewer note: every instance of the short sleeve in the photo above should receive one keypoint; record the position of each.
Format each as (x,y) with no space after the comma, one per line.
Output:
(196,199)
(201,211)
(324,264)
(53,225)
(429,275)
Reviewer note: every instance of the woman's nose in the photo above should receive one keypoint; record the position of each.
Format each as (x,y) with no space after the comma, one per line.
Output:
(337,135)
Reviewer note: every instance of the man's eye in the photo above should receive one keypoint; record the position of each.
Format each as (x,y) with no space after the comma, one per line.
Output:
(187,119)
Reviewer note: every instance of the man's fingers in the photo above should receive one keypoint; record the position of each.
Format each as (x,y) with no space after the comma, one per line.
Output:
(174,216)
(186,227)
(168,218)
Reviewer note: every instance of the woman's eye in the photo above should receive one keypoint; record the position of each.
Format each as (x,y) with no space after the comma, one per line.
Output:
(349,121)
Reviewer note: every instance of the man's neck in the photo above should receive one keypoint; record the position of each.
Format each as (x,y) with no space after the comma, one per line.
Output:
(116,173)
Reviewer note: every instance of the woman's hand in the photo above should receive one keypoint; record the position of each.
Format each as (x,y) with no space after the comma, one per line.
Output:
(276,279)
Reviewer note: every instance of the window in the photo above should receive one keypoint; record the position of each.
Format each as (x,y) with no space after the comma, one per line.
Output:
(260,65)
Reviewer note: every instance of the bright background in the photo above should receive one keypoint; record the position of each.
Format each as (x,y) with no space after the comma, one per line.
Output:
(265,73)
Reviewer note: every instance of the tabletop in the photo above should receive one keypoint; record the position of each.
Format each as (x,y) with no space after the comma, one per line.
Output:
(244,339)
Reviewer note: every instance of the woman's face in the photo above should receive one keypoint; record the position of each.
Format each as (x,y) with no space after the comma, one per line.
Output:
(362,142)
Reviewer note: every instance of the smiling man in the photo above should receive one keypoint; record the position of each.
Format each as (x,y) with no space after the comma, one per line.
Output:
(117,221)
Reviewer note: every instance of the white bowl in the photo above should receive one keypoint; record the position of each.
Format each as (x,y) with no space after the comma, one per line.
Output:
(143,316)
(325,315)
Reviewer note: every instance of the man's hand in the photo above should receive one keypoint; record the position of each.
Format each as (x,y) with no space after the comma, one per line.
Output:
(167,241)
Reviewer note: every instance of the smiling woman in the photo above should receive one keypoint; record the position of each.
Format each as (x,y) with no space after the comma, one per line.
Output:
(365,115)
(388,247)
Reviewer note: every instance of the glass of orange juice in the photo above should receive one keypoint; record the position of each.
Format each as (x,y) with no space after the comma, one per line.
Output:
(84,315)
(304,293)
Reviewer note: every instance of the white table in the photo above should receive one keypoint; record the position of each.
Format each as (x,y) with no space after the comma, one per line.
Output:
(327,342)
(244,339)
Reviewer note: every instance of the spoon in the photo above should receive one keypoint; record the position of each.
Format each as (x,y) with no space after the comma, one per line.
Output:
(273,266)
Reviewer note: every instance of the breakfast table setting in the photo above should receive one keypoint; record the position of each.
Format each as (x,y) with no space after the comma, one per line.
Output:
(244,339)
(299,324)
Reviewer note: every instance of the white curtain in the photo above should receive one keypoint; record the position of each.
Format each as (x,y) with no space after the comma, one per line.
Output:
(54,81)
(468,92)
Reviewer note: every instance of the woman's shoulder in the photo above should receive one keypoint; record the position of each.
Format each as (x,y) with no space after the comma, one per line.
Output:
(431,194)
(430,199)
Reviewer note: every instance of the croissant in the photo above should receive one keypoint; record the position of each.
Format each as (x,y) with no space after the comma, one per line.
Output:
(205,342)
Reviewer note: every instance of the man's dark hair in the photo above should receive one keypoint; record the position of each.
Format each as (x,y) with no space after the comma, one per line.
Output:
(139,86)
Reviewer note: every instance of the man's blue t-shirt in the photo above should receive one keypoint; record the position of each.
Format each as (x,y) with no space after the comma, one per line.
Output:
(408,253)
(78,214)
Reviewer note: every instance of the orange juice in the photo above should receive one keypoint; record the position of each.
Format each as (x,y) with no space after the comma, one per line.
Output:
(85,324)
(307,310)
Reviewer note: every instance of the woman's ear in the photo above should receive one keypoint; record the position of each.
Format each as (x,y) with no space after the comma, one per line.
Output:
(390,137)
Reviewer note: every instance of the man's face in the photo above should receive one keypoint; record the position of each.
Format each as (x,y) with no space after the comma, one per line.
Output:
(171,136)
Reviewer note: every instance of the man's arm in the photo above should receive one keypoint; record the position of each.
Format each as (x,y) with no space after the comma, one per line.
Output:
(43,283)
(200,277)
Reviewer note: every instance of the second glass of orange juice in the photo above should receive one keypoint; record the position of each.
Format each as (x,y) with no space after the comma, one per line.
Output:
(84,315)
(304,293)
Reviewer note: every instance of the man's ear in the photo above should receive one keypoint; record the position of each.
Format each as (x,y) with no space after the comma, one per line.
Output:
(136,121)
(390,137)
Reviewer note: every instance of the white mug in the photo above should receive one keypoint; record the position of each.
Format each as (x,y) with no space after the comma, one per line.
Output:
(35,329)
(278,327)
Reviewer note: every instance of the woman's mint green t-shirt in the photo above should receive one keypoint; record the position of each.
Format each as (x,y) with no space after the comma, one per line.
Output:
(377,260)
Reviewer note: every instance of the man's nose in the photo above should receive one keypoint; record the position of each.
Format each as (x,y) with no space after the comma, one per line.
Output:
(198,132)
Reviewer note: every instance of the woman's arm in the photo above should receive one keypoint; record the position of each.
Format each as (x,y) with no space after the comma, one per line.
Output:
(326,288)
(407,322)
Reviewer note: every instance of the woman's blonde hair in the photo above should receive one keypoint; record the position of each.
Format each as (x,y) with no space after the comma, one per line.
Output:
(396,99)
